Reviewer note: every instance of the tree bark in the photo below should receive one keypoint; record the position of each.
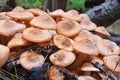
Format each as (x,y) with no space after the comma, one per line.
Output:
(106,13)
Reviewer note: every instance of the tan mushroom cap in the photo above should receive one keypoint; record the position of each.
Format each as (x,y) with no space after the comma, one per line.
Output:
(3,16)
(88,67)
(68,28)
(9,27)
(36,35)
(85,78)
(83,34)
(55,74)
(30,59)
(56,13)
(112,62)
(86,47)
(44,22)
(36,12)
(62,58)
(72,14)
(107,47)
(4,54)
(20,14)
(86,22)
(102,31)
(17,41)
(63,42)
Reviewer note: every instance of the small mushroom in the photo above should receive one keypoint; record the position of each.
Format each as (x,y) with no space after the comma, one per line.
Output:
(36,12)
(17,41)
(55,74)
(102,31)
(20,13)
(85,78)
(86,23)
(4,54)
(62,58)
(63,42)
(68,28)
(112,62)
(9,27)
(37,35)
(72,14)
(29,59)
(83,34)
(3,16)
(57,13)
(44,22)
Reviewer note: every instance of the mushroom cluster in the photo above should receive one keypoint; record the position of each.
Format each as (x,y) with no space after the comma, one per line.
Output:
(81,43)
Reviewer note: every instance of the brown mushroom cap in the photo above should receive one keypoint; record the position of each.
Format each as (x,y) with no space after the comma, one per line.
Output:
(86,47)
(9,27)
(112,62)
(107,47)
(85,78)
(72,14)
(3,16)
(68,28)
(86,23)
(44,22)
(17,41)
(55,74)
(57,13)
(36,12)
(62,58)
(102,31)
(30,59)
(63,42)
(83,34)
(36,35)
(20,14)
(4,54)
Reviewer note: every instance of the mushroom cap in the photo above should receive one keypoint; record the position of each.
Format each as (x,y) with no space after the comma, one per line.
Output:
(36,35)
(72,14)
(9,27)
(112,62)
(3,16)
(62,58)
(17,41)
(30,59)
(68,28)
(56,13)
(36,12)
(4,54)
(44,22)
(63,42)
(101,30)
(88,67)
(86,47)
(97,59)
(55,74)
(107,47)
(83,34)
(20,14)
(85,78)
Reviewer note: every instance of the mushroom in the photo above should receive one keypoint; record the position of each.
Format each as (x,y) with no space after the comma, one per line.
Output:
(63,42)
(112,62)
(86,23)
(4,54)
(55,74)
(29,59)
(9,27)
(72,14)
(83,34)
(20,13)
(68,28)
(3,16)
(17,41)
(85,78)
(102,31)
(62,58)
(107,47)
(37,35)
(97,59)
(87,67)
(36,12)
(44,22)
